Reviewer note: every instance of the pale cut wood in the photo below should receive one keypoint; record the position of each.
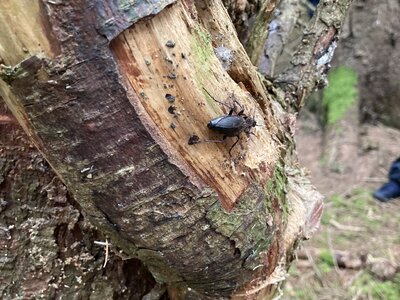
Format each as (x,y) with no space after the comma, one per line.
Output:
(150,68)
(25,31)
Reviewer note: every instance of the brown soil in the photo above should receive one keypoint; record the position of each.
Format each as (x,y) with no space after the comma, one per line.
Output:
(377,147)
(362,230)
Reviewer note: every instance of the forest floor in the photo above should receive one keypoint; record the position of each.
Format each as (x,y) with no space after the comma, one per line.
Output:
(356,252)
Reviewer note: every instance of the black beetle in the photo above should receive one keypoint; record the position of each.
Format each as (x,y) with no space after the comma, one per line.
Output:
(230,125)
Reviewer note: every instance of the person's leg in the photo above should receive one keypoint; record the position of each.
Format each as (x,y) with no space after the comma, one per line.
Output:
(391,189)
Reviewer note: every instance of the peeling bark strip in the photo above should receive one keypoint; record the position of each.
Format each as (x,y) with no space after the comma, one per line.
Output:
(102,117)
(114,16)
(279,29)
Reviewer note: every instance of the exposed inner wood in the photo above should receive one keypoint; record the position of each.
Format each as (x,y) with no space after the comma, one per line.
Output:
(152,71)
(30,37)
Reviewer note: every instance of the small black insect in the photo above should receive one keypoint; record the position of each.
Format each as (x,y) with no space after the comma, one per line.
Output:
(232,124)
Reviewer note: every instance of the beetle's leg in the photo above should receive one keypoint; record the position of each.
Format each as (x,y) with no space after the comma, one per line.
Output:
(234,144)
(240,106)
(252,133)
(241,112)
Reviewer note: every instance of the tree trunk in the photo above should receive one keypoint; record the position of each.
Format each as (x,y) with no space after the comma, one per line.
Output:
(111,92)
(370,46)
(47,249)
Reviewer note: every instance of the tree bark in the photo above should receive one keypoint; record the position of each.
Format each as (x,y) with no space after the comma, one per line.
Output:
(47,248)
(110,93)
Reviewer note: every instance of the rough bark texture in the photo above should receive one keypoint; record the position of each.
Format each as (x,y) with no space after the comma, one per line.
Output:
(243,14)
(259,30)
(93,97)
(311,60)
(284,32)
(46,246)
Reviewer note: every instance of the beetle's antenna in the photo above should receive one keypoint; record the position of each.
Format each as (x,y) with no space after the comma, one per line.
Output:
(210,95)
(216,99)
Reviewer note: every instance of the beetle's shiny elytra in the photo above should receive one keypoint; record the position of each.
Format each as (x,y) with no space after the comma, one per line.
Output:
(229,125)
(232,125)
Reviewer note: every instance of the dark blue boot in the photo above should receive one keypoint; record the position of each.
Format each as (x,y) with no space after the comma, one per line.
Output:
(391,189)
(314,3)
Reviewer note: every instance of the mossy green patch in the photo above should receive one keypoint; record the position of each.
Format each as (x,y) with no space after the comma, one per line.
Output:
(337,200)
(276,187)
(325,256)
(202,50)
(340,95)
(353,222)
(326,217)
(245,224)
(294,271)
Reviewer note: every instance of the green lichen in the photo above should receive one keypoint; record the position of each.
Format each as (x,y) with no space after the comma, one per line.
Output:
(340,95)
(201,47)
(202,53)
(10,73)
(245,224)
(276,188)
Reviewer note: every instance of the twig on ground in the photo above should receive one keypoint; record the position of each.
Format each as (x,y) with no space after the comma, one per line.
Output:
(357,295)
(345,227)
(375,179)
